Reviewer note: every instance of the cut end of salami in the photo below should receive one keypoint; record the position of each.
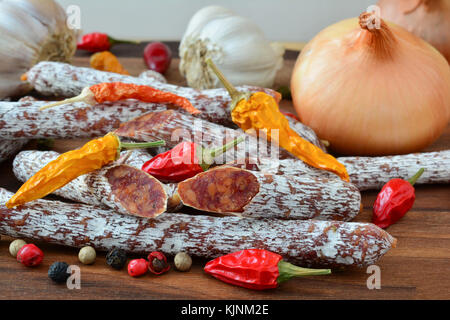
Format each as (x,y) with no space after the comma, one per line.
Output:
(222,190)
(141,128)
(138,192)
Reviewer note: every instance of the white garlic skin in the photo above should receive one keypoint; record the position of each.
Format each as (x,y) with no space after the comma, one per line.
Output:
(31,31)
(236,45)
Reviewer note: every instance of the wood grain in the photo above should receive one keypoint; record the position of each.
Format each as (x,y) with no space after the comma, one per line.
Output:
(416,269)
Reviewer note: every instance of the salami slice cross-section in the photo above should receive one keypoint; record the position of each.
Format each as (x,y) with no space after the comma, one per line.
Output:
(222,190)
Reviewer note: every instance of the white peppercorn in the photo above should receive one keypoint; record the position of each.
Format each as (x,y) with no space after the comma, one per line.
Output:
(87,255)
(15,246)
(182,261)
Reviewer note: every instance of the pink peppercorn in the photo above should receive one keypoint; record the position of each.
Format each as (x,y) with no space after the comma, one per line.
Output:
(137,267)
(30,255)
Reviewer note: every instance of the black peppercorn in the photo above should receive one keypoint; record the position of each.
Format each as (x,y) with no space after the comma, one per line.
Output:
(116,258)
(58,272)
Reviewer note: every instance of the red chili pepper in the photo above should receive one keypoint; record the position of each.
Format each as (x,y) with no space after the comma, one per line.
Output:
(289,114)
(157,263)
(96,42)
(256,269)
(395,199)
(182,162)
(137,267)
(115,91)
(157,56)
(30,255)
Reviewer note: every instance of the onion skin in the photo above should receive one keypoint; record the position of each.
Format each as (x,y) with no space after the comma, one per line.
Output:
(372,93)
(427,19)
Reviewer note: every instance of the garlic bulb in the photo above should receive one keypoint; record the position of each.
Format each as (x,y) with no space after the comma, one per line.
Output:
(235,44)
(31,31)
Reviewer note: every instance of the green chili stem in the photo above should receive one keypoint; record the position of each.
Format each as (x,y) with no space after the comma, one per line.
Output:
(218,151)
(288,270)
(141,145)
(114,41)
(415,177)
(235,95)
(227,84)
(209,154)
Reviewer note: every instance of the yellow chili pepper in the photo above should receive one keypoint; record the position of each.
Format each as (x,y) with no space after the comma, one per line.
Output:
(106,61)
(92,156)
(260,111)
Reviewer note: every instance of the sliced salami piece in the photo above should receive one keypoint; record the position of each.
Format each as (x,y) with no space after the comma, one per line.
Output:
(373,172)
(223,190)
(174,127)
(60,79)
(19,120)
(129,190)
(308,243)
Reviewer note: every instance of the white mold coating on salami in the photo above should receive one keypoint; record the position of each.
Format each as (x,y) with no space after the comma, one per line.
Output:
(20,120)
(304,197)
(55,78)
(301,196)
(306,243)
(373,172)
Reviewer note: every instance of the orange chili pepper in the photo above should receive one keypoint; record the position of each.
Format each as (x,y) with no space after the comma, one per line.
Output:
(92,156)
(115,91)
(106,61)
(260,111)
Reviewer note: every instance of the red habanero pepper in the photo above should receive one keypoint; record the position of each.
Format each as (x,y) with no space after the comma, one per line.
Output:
(157,263)
(115,91)
(395,199)
(97,41)
(289,114)
(182,162)
(256,269)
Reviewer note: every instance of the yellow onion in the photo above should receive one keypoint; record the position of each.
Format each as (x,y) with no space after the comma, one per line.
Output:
(428,19)
(372,91)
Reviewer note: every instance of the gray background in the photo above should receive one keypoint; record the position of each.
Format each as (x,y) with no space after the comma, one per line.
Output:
(281,20)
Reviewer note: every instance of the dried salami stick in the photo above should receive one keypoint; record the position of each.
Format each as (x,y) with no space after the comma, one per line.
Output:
(19,120)
(55,78)
(173,127)
(129,190)
(373,172)
(305,196)
(306,243)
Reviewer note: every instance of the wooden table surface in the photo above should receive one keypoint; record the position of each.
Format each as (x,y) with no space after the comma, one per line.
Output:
(418,268)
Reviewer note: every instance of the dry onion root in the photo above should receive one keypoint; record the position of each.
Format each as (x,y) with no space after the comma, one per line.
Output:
(372,91)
